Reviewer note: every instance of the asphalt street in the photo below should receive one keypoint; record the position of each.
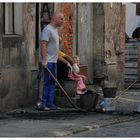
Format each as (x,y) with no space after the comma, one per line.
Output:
(28,122)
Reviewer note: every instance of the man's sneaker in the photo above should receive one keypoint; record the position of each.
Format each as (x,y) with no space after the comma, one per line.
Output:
(43,109)
(53,107)
(39,107)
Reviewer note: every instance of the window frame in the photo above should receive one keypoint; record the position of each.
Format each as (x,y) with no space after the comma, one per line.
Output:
(11,22)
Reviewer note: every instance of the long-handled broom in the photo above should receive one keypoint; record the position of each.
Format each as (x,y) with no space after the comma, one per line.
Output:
(123,92)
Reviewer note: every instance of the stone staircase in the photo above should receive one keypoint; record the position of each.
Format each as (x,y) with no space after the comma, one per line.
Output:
(131,65)
(70,88)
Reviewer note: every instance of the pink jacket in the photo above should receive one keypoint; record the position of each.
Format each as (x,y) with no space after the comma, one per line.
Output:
(81,79)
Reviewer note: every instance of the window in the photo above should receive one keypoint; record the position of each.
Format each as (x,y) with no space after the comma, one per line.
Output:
(46,13)
(13,18)
(137,9)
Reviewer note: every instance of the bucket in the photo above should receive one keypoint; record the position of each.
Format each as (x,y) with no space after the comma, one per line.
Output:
(107,104)
(69,86)
(89,100)
(109,92)
(139,108)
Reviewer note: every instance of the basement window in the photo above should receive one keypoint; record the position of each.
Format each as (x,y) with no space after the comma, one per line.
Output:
(13,23)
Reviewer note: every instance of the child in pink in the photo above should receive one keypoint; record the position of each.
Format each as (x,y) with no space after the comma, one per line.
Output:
(81,79)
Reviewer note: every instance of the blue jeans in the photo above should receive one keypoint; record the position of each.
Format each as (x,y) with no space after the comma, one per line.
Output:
(48,84)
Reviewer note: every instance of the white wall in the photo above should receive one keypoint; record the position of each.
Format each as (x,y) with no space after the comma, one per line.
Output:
(132,20)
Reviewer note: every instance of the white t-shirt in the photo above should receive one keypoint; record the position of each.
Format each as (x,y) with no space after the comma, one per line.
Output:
(50,34)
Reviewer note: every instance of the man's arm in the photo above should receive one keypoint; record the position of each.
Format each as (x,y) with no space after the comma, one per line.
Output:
(43,52)
(70,59)
(60,58)
(66,57)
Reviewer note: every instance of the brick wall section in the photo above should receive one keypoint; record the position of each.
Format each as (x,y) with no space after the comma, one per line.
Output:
(67,28)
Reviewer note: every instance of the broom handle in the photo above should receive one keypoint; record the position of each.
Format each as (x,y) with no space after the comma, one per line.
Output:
(123,92)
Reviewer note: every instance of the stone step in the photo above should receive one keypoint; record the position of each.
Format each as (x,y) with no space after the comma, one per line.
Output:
(65,103)
(131,71)
(134,44)
(69,86)
(131,56)
(131,65)
(131,52)
(132,76)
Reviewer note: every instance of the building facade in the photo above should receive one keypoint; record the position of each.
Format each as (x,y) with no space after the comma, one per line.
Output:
(93,31)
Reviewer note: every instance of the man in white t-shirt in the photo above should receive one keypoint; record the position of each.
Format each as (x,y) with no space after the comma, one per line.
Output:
(48,56)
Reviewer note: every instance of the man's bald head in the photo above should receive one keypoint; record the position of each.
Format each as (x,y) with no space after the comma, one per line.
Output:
(57,19)
(57,14)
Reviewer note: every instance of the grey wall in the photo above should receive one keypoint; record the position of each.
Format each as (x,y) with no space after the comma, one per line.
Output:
(85,36)
(98,40)
(17,64)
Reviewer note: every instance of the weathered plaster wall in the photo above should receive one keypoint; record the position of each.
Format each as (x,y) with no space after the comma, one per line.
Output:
(29,10)
(114,44)
(17,75)
(98,41)
(16,89)
(121,49)
(1,30)
(85,34)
